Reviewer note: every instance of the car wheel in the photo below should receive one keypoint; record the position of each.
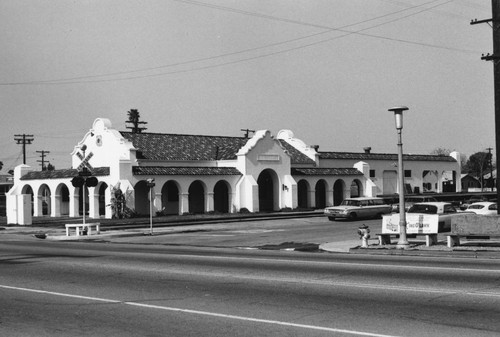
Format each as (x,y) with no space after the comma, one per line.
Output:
(352,216)
(331,218)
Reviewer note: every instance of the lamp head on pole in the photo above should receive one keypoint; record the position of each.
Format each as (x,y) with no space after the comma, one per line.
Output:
(398,114)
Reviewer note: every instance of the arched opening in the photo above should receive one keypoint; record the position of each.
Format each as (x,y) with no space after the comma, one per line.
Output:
(303,194)
(268,191)
(80,200)
(338,192)
(102,199)
(221,197)
(356,189)
(320,194)
(196,197)
(170,198)
(449,181)
(27,189)
(44,200)
(62,192)
(141,197)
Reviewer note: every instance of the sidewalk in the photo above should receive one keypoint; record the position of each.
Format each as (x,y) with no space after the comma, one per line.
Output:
(471,248)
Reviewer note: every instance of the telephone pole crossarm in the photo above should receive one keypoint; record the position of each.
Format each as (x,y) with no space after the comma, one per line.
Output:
(24,140)
(476,21)
(490,57)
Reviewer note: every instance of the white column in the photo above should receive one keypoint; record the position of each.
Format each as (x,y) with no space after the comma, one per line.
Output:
(184,203)
(74,200)
(209,203)
(329,197)
(55,203)
(93,203)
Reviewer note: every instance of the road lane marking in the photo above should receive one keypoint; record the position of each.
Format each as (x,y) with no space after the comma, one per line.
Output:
(199,312)
(322,282)
(358,264)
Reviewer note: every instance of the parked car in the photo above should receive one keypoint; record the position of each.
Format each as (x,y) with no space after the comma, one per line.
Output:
(465,205)
(362,207)
(484,208)
(390,199)
(445,210)
(411,200)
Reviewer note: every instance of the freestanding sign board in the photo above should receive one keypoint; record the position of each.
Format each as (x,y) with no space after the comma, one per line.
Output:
(415,223)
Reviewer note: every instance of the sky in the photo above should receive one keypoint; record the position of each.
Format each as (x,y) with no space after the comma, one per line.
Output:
(328,70)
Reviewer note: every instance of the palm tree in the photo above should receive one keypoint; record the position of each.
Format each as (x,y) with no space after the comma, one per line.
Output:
(134,119)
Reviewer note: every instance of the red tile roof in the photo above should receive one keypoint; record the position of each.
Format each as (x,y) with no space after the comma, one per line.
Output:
(202,171)
(174,147)
(325,172)
(383,156)
(64,173)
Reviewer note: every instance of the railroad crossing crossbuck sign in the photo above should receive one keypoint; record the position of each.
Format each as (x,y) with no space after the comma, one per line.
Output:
(84,172)
(85,162)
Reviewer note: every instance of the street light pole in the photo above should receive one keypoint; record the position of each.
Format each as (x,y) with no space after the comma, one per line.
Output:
(150,183)
(403,241)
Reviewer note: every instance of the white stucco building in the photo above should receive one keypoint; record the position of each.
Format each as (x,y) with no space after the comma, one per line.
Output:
(200,174)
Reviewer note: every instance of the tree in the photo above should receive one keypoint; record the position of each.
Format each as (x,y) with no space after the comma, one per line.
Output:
(478,165)
(440,151)
(134,118)
(50,167)
(1,166)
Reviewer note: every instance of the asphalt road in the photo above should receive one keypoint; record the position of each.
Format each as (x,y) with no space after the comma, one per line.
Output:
(51,288)
(255,233)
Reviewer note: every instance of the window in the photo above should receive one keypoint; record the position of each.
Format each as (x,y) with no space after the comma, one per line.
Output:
(372,173)
(449,209)
(407,173)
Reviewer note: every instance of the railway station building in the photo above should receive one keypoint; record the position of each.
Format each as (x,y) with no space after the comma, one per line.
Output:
(214,174)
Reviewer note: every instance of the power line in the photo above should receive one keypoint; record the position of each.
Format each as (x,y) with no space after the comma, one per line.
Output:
(82,79)
(327,30)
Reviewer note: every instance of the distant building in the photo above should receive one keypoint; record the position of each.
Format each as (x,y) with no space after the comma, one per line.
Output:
(6,183)
(470,183)
(200,174)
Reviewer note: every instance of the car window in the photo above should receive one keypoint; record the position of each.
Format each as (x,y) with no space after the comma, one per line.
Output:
(350,203)
(449,209)
(476,206)
(493,207)
(427,209)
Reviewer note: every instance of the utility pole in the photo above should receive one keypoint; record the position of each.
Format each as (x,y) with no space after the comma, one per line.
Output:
(490,162)
(24,139)
(495,57)
(43,154)
(247,132)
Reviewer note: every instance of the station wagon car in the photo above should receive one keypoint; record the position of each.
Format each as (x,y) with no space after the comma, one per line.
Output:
(362,207)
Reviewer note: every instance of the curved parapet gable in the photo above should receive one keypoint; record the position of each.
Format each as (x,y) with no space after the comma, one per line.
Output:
(252,142)
(101,124)
(289,137)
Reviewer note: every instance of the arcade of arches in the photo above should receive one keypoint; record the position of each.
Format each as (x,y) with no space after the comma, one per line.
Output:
(66,200)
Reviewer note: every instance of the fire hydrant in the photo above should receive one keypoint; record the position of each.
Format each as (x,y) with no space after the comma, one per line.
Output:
(364,235)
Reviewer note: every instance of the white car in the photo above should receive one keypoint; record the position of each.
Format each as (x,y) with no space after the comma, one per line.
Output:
(363,207)
(483,208)
(445,210)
